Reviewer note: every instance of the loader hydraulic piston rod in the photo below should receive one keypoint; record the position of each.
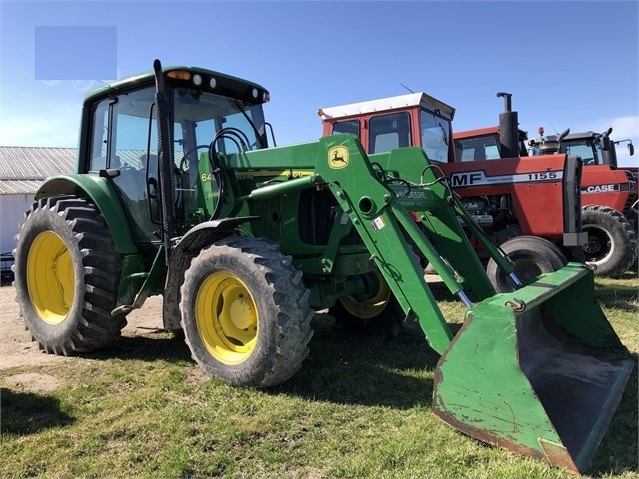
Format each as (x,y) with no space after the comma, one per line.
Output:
(452,283)
(516,280)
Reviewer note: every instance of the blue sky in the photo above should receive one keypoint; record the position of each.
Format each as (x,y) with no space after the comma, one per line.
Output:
(568,64)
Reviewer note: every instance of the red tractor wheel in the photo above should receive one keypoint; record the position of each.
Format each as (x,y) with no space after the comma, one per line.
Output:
(531,256)
(612,241)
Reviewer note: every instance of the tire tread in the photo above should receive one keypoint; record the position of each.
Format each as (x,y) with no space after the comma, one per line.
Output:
(93,325)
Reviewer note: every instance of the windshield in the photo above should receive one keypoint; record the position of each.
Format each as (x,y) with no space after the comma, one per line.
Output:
(200,119)
(435,136)
(589,153)
(478,148)
(202,115)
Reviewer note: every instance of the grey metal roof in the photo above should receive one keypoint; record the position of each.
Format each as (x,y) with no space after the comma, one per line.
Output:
(385,104)
(22,168)
(19,187)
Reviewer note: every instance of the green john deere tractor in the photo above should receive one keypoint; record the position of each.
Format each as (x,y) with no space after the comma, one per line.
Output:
(176,194)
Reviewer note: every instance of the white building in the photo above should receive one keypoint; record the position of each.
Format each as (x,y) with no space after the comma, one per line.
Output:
(22,170)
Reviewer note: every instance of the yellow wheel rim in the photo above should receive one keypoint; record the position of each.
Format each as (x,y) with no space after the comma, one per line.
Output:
(50,278)
(226,318)
(371,307)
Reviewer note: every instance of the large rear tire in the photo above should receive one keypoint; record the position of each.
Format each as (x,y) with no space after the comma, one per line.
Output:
(245,313)
(612,241)
(531,256)
(66,276)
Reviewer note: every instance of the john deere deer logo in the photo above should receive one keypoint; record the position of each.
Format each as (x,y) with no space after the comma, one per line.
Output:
(338,157)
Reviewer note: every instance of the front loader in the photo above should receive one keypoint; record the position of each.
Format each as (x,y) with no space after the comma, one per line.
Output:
(178,194)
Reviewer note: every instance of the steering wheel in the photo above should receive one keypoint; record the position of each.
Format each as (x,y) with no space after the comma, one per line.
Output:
(184,163)
(236,133)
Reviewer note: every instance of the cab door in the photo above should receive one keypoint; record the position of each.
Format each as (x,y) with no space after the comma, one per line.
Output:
(124,140)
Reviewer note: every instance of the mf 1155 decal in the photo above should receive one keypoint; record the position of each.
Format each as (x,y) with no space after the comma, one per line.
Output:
(477,178)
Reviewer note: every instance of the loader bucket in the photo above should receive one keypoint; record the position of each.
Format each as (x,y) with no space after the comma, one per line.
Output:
(539,371)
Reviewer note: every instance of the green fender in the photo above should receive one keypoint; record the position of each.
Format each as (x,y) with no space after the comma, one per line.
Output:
(103,195)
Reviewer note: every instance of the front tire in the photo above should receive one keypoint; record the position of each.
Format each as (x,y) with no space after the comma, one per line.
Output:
(379,312)
(245,313)
(66,276)
(531,256)
(612,241)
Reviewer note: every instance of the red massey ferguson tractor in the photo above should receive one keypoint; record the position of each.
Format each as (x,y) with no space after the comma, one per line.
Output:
(609,192)
(531,209)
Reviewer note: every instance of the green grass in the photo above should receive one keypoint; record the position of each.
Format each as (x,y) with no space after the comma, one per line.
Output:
(358,408)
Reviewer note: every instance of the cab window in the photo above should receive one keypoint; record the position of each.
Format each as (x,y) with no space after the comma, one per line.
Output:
(585,149)
(435,136)
(387,132)
(477,149)
(346,126)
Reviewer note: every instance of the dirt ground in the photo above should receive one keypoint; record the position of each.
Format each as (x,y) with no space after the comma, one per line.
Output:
(17,349)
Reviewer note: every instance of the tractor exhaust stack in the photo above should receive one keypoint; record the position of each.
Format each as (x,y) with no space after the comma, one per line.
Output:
(508,128)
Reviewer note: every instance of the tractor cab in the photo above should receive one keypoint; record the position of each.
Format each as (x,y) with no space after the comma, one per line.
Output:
(484,144)
(593,148)
(211,115)
(416,119)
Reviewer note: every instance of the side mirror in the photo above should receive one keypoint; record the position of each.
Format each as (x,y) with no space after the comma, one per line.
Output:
(631,149)
(115,172)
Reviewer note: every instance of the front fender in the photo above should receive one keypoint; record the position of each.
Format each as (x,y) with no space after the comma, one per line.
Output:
(103,195)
